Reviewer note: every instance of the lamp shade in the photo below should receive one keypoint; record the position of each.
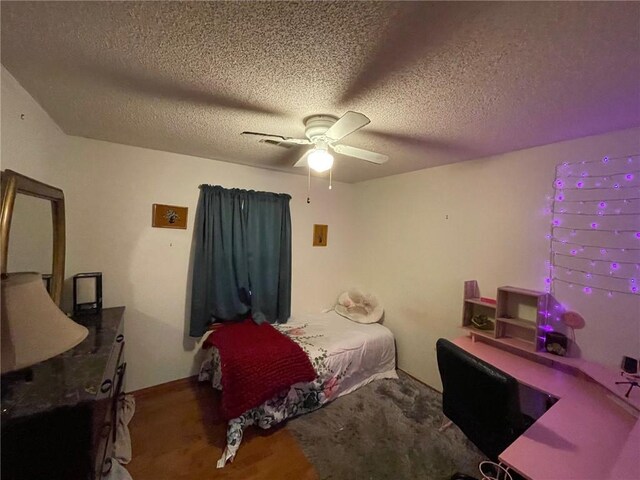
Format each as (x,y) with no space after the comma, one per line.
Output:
(34,329)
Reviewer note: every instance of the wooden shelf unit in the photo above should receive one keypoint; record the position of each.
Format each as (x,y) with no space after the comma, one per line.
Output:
(520,315)
(473,305)
(518,322)
(477,301)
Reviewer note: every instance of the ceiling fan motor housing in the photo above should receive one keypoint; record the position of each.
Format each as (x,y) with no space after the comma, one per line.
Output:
(317,125)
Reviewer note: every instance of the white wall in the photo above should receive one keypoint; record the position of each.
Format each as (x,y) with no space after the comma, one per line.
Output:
(34,141)
(416,259)
(109,192)
(404,247)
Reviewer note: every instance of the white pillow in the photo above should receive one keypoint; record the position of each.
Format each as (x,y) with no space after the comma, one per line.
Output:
(358,307)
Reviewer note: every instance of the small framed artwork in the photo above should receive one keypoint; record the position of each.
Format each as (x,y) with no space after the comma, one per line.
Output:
(169,216)
(320,235)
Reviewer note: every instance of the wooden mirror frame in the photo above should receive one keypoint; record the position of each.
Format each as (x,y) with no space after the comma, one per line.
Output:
(14,183)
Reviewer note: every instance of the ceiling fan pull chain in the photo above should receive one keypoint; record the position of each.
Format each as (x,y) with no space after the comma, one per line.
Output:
(330,171)
(308,184)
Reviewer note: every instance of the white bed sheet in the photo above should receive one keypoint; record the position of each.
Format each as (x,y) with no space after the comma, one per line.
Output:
(365,352)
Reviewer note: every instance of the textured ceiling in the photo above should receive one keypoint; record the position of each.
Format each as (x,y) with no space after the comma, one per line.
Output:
(441,82)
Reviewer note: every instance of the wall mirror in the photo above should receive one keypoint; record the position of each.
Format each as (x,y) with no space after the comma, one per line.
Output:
(32,229)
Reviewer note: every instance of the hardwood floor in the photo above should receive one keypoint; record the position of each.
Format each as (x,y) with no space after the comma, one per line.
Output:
(177,434)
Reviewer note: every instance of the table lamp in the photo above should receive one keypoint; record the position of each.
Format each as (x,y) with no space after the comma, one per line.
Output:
(34,329)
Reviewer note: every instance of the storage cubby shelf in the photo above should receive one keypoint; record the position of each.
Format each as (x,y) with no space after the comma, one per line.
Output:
(482,333)
(518,315)
(477,301)
(522,291)
(519,322)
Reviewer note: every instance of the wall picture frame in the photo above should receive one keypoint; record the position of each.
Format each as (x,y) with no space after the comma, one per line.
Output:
(320,233)
(169,216)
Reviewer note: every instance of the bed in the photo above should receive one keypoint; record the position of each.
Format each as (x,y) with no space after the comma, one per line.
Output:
(346,356)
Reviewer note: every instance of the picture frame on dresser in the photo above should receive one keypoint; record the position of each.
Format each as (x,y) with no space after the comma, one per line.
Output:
(13,183)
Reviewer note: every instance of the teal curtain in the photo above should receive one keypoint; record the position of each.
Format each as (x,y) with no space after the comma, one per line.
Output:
(242,258)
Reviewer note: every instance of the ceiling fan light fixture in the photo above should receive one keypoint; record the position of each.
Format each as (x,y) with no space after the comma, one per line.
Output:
(320,160)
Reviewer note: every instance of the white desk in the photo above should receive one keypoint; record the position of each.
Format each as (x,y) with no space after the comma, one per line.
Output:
(588,434)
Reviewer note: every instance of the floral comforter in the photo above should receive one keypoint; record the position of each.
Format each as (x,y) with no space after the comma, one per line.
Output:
(346,356)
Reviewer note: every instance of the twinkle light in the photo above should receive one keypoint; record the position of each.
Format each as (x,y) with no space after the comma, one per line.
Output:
(598,251)
(610,291)
(570,271)
(626,200)
(593,261)
(585,245)
(594,225)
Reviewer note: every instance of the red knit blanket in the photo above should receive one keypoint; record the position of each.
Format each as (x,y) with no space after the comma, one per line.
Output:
(257,362)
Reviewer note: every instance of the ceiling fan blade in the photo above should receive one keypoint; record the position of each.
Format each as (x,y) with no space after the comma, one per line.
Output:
(297,141)
(346,125)
(277,138)
(267,135)
(367,155)
(303,160)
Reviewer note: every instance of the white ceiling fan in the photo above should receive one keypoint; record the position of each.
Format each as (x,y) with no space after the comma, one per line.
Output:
(324,132)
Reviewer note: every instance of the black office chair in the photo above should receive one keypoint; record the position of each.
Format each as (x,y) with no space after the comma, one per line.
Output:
(481,400)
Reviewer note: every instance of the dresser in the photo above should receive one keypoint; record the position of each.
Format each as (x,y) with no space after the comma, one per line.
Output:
(61,422)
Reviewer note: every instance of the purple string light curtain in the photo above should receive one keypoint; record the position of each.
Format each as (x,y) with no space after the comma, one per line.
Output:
(595,226)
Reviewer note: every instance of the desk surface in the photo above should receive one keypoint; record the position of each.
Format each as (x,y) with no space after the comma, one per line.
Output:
(587,434)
